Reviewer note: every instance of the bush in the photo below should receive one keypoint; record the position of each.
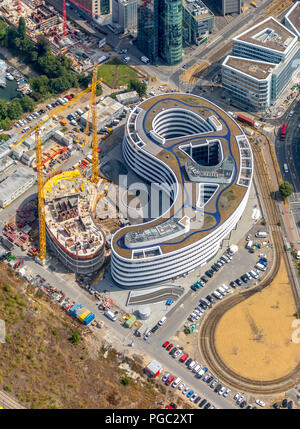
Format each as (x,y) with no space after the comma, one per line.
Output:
(75,337)
(126,381)
(7,288)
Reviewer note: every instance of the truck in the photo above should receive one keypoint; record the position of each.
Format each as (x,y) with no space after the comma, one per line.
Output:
(245,120)
(261,234)
(145,60)
(110,315)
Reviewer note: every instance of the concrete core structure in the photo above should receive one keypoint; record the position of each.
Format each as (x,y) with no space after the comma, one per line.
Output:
(70,201)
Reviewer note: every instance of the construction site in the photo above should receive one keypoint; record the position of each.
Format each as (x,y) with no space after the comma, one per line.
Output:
(64,36)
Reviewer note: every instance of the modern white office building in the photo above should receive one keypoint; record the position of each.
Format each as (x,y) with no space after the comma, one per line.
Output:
(292,19)
(271,50)
(190,146)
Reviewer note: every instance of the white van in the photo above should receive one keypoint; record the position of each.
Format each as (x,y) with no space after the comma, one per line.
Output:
(249,244)
(217,294)
(197,369)
(176,382)
(261,234)
(221,290)
(227,289)
(253,274)
(162,321)
(260,267)
(193,364)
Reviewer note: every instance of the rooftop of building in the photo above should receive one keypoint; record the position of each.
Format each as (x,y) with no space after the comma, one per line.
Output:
(198,9)
(105,109)
(226,172)
(69,202)
(268,33)
(255,69)
(293,17)
(14,181)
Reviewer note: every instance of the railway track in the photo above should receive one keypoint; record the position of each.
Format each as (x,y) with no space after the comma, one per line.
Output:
(206,342)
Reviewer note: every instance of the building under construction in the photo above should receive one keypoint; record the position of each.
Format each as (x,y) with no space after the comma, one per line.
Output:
(70,201)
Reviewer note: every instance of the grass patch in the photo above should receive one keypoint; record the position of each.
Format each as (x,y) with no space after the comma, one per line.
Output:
(115,73)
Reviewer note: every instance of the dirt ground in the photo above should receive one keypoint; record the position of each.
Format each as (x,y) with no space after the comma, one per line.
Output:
(254,338)
(193,73)
(42,368)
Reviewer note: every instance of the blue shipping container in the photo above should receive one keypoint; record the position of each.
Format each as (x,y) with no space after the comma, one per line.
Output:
(89,318)
(73,310)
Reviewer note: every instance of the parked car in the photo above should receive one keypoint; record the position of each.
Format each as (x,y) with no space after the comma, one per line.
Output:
(165,377)
(206,406)
(238,282)
(232,284)
(184,357)
(166,343)
(169,380)
(169,347)
(197,400)
(226,393)
(202,403)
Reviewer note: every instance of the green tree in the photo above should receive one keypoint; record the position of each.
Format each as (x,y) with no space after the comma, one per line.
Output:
(40,84)
(60,84)
(42,46)
(75,337)
(5,124)
(14,109)
(22,28)
(27,104)
(286,189)
(139,87)
(3,109)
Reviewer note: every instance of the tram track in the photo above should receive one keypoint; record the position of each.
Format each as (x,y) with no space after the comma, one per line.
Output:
(207,344)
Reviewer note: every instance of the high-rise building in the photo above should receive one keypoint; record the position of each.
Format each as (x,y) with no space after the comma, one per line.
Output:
(124,12)
(160,29)
(198,20)
(147,21)
(170,31)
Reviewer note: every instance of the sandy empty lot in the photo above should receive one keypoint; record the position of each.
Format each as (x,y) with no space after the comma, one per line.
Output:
(254,338)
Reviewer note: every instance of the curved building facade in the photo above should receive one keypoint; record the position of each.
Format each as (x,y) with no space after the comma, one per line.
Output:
(70,229)
(191,147)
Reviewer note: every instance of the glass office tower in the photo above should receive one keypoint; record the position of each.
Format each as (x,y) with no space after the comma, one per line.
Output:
(147,39)
(170,31)
(160,30)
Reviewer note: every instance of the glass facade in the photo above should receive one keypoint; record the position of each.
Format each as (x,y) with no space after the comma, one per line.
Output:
(170,31)
(147,39)
(160,30)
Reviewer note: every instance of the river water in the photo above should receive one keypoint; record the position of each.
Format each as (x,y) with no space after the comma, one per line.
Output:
(10,91)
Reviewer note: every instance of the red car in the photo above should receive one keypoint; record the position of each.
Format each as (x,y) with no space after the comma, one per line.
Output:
(184,357)
(166,343)
(170,380)
(170,346)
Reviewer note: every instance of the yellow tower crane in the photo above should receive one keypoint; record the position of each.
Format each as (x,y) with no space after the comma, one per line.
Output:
(95,154)
(36,129)
(41,203)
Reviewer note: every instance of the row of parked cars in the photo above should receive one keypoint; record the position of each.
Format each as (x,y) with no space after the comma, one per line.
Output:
(203,374)
(186,391)
(35,115)
(199,371)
